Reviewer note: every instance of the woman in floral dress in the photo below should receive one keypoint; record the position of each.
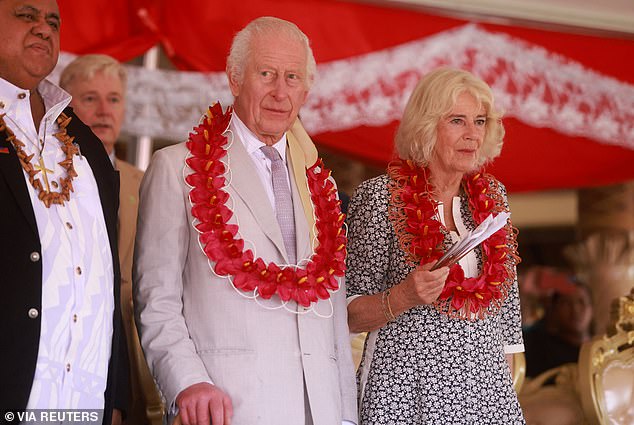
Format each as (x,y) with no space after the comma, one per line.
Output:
(439,341)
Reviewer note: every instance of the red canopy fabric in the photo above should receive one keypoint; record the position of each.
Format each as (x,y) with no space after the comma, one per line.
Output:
(111,27)
(538,154)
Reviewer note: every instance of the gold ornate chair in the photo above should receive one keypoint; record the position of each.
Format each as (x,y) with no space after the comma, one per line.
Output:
(606,369)
(551,398)
(519,371)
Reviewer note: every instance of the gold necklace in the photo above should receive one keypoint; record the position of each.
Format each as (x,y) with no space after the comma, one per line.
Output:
(44,193)
(39,146)
(41,166)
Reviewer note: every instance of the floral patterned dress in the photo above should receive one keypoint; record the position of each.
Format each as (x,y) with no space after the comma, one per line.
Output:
(425,367)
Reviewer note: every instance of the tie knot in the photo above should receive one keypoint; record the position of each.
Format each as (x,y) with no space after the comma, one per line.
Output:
(271,153)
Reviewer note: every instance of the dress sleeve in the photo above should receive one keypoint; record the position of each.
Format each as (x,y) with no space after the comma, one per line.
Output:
(369,232)
(511,319)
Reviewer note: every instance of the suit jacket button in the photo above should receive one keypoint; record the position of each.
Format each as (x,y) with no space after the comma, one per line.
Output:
(33,313)
(35,256)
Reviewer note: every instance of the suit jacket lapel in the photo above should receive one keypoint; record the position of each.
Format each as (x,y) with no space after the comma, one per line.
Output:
(297,162)
(12,171)
(246,183)
(127,213)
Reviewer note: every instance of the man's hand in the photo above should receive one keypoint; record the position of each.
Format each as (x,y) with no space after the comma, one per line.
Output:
(202,404)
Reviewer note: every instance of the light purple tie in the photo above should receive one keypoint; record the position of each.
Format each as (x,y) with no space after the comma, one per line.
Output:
(283,200)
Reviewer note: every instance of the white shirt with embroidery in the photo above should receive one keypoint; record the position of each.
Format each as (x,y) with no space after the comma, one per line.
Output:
(77,270)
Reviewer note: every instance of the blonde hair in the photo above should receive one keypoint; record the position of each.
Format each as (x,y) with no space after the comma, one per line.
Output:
(241,47)
(433,98)
(85,67)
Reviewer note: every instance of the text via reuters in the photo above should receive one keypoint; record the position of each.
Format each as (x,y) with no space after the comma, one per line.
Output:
(49,416)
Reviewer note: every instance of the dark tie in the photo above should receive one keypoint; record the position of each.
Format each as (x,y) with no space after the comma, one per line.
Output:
(283,200)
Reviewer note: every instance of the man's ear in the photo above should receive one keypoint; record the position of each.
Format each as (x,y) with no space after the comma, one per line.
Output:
(305,97)
(233,83)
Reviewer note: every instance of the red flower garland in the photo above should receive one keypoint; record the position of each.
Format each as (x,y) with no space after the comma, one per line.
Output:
(222,243)
(413,213)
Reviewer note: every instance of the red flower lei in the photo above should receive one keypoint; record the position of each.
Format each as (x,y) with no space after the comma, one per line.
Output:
(221,241)
(421,235)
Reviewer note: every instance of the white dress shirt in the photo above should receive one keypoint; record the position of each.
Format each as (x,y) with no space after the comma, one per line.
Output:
(77,270)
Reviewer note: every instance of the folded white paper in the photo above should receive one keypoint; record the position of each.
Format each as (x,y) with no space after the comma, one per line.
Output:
(489,226)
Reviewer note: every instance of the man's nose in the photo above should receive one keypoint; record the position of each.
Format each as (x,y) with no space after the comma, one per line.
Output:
(280,88)
(42,29)
(103,107)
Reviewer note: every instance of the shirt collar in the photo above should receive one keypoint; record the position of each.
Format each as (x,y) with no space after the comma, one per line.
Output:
(14,97)
(250,141)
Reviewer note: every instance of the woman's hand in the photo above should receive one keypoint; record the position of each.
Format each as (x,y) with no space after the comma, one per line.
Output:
(421,286)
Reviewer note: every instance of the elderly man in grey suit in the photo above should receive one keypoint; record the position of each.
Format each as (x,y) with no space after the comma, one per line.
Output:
(238,247)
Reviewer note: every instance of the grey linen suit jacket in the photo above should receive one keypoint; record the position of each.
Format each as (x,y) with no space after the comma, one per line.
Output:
(195,327)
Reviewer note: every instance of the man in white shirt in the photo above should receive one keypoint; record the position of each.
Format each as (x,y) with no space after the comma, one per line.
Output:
(60,315)
(240,313)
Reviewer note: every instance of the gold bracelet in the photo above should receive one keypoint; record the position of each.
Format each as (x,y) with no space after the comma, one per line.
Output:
(387,308)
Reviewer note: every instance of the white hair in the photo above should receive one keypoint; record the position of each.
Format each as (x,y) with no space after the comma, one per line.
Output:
(85,67)
(241,47)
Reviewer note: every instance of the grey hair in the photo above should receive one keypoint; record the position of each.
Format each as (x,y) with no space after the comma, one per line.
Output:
(266,25)
(86,66)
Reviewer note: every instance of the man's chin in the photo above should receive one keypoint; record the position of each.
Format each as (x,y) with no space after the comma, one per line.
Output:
(100,131)
(40,61)
(276,130)
(104,135)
